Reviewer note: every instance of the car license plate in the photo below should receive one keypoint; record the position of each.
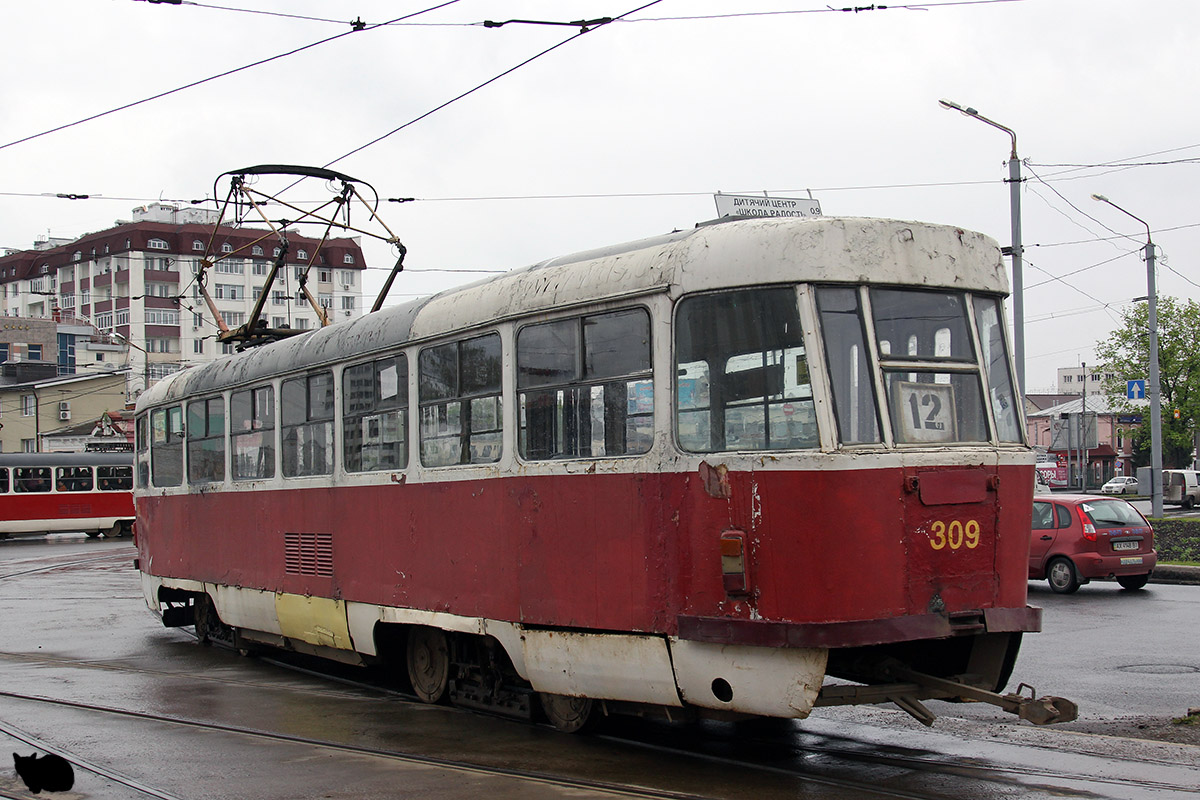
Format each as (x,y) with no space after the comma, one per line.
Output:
(1126,545)
(1128,562)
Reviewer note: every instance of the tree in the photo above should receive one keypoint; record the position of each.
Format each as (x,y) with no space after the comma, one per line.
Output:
(1126,354)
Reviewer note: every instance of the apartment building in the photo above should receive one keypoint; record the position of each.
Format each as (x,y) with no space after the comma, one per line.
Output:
(1082,380)
(136,283)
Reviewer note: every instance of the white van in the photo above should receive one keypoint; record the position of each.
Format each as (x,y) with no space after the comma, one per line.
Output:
(1181,487)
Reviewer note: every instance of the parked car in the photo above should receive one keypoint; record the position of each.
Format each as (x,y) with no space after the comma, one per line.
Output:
(1121,484)
(1078,537)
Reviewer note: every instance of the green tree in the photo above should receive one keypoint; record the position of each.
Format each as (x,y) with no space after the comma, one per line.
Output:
(1126,354)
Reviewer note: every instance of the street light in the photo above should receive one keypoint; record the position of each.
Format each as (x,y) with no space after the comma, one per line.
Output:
(1014,183)
(1156,500)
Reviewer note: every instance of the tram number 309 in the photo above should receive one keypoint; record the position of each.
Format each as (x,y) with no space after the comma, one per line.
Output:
(956,534)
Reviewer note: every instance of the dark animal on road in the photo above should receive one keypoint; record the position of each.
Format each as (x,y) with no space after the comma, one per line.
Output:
(50,772)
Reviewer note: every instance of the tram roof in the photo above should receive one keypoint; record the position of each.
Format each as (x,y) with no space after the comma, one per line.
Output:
(65,459)
(726,254)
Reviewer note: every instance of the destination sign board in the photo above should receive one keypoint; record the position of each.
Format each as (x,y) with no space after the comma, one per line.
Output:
(739,205)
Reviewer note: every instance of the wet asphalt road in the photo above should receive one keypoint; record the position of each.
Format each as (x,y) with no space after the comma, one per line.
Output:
(144,711)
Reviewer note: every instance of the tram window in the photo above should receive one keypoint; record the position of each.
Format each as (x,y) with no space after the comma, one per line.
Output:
(3,480)
(935,407)
(206,440)
(741,373)
(461,408)
(585,386)
(308,425)
(166,446)
(142,444)
(988,317)
(114,479)
(252,430)
(31,479)
(921,324)
(375,415)
(850,373)
(73,479)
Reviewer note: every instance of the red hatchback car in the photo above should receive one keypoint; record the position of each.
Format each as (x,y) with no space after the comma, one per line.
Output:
(1077,537)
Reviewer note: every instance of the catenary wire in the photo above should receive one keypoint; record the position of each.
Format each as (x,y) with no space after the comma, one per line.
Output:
(233,71)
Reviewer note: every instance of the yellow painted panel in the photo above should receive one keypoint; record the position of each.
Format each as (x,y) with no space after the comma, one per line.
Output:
(316,620)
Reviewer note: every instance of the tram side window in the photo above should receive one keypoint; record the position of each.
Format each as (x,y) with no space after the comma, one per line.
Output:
(585,386)
(73,479)
(928,406)
(461,410)
(741,373)
(206,440)
(166,446)
(375,415)
(252,427)
(849,370)
(31,479)
(988,319)
(3,480)
(308,425)
(142,445)
(114,479)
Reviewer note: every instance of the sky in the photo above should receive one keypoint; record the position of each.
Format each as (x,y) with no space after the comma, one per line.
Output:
(627,130)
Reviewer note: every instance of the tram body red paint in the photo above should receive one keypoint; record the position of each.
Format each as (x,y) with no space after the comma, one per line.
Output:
(610,552)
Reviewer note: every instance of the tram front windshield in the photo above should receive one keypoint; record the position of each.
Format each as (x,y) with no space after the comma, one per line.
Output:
(742,378)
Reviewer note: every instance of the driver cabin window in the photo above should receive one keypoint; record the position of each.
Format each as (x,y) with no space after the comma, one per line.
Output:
(741,373)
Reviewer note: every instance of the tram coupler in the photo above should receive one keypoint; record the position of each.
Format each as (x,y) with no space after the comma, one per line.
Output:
(1037,710)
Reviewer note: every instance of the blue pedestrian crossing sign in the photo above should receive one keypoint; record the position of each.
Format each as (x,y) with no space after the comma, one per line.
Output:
(1135,390)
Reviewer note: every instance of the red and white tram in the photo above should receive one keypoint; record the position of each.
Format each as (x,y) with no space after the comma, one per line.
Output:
(705,472)
(58,492)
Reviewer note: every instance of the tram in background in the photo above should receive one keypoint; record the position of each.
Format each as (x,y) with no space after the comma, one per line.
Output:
(698,474)
(62,492)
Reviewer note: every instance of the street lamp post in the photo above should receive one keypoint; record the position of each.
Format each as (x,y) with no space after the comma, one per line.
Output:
(1156,499)
(1014,193)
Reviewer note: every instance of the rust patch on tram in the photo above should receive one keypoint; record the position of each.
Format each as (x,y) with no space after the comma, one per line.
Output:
(716,480)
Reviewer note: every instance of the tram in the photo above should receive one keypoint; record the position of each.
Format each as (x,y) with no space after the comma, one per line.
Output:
(752,468)
(59,492)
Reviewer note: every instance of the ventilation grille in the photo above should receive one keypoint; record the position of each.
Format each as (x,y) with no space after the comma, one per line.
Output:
(308,554)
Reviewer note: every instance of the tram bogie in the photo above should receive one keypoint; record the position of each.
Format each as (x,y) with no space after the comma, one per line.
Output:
(700,474)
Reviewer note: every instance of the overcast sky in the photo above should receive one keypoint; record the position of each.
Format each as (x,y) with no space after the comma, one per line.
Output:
(647,117)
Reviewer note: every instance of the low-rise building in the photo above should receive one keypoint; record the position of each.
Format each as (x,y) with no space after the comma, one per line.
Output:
(32,408)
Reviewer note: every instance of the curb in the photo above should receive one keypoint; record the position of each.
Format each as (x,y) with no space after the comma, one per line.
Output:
(1174,574)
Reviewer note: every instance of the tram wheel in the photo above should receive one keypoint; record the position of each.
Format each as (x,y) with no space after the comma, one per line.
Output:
(568,714)
(115,531)
(1062,576)
(428,660)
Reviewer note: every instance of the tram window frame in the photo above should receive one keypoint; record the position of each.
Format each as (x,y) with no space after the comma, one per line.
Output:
(735,352)
(166,446)
(989,323)
(307,411)
(252,433)
(206,440)
(459,390)
(141,426)
(375,415)
(3,480)
(32,480)
(74,479)
(930,367)
(589,392)
(119,478)
(851,378)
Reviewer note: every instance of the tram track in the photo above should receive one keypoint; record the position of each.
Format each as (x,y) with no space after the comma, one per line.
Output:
(1014,777)
(112,556)
(1011,775)
(626,790)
